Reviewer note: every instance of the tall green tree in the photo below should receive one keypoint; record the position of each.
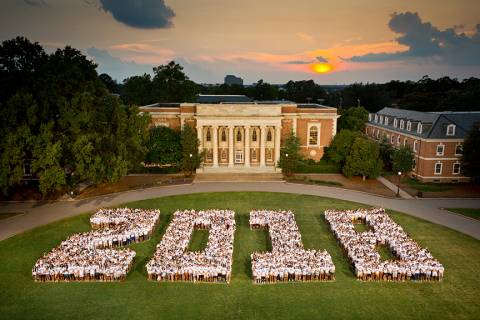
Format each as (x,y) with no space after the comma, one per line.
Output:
(471,154)
(290,155)
(402,160)
(341,145)
(61,121)
(138,90)
(192,157)
(171,84)
(353,119)
(363,159)
(164,146)
(386,153)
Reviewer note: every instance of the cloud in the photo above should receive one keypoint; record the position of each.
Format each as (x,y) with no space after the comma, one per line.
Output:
(299,62)
(424,40)
(305,36)
(321,59)
(143,14)
(117,68)
(36,3)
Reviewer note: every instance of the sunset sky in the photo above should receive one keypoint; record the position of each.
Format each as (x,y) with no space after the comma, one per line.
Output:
(332,42)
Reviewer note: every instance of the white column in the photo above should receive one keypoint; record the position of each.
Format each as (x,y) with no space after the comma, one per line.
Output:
(230,146)
(200,137)
(247,146)
(278,132)
(263,133)
(215,146)
(295,126)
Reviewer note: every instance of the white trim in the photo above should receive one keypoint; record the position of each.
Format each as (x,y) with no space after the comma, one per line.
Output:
(443,149)
(409,125)
(416,137)
(435,168)
(419,128)
(436,159)
(453,130)
(415,146)
(438,177)
(392,139)
(398,140)
(395,122)
(459,168)
(402,124)
(456,146)
(309,127)
(385,122)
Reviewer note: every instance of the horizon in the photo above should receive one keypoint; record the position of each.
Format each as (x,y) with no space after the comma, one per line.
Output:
(273,41)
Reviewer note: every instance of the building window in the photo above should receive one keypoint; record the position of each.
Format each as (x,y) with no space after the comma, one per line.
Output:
(409,126)
(209,135)
(398,140)
(381,119)
(27,171)
(402,124)
(224,135)
(414,164)
(269,135)
(239,136)
(239,156)
(458,150)
(456,168)
(254,154)
(254,135)
(378,134)
(404,142)
(395,122)
(438,168)
(269,155)
(376,118)
(419,128)
(223,155)
(209,155)
(369,117)
(391,139)
(386,121)
(415,146)
(451,130)
(313,136)
(440,149)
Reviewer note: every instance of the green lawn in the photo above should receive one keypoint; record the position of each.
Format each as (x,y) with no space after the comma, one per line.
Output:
(345,298)
(472,213)
(428,186)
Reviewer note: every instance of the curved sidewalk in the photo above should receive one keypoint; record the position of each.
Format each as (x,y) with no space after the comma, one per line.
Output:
(37,214)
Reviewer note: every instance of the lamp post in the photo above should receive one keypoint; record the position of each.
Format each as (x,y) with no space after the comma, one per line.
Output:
(398,184)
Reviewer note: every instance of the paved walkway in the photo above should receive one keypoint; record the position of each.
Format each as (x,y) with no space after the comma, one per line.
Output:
(36,214)
(403,194)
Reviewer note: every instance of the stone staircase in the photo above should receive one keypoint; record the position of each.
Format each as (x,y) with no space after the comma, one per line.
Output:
(240,177)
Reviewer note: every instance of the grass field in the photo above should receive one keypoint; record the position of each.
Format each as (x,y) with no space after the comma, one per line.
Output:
(472,213)
(345,298)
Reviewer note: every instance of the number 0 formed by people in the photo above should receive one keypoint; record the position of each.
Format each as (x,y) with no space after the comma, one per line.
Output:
(288,260)
(91,256)
(95,255)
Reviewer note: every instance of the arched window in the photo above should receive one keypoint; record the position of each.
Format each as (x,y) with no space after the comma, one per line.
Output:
(209,135)
(269,135)
(254,135)
(239,136)
(313,136)
(254,154)
(224,135)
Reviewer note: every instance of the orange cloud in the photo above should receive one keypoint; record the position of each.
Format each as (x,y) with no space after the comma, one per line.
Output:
(142,53)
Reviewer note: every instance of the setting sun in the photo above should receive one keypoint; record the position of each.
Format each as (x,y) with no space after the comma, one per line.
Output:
(321,67)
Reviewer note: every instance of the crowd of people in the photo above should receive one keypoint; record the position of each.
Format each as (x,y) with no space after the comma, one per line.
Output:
(412,262)
(172,261)
(91,256)
(288,260)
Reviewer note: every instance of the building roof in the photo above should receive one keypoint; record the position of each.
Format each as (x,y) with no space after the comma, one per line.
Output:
(434,124)
(312,105)
(222,98)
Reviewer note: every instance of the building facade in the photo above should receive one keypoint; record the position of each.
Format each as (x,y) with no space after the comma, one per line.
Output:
(247,136)
(436,139)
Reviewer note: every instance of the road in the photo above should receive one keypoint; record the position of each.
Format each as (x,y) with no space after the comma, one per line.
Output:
(37,214)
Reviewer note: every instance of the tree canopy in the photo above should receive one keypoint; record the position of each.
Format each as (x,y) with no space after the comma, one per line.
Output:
(471,154)
(353,119)
(164,146)
(290,155)
(191,158)
(59,119)
(363,159)
(402,160)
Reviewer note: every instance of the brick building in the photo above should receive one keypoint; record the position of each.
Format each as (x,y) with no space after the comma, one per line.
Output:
(241,135)
(436,138)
